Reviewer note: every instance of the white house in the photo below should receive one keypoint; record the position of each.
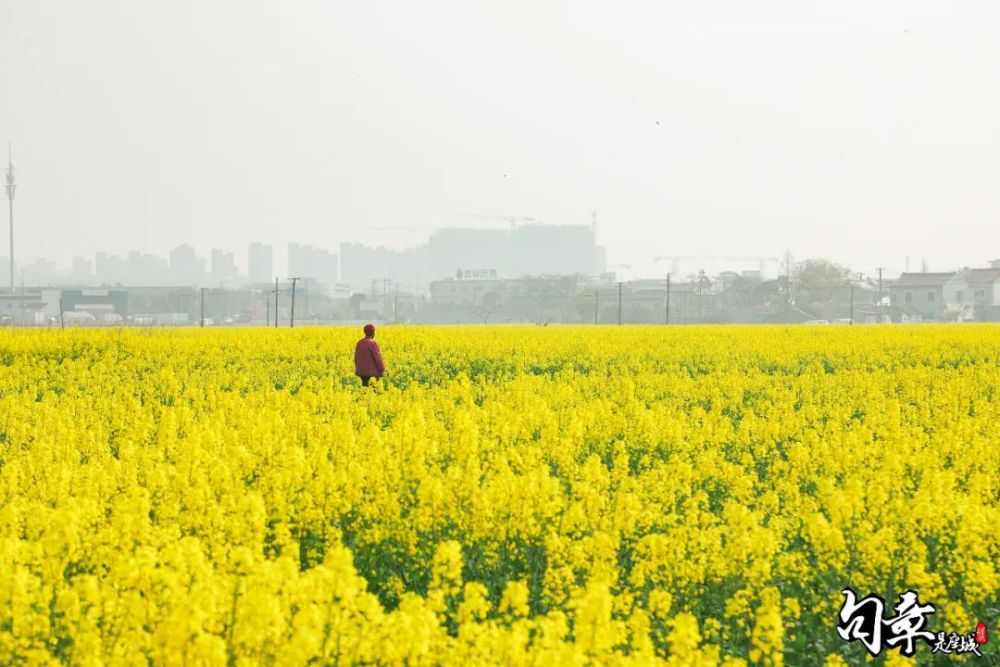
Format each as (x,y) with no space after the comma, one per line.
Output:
(919,296)
(973,289)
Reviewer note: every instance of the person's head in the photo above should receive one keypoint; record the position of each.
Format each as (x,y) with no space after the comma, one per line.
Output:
(369,330)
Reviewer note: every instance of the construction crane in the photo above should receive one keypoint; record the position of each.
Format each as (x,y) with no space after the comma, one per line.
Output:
(676,259)
(512,219)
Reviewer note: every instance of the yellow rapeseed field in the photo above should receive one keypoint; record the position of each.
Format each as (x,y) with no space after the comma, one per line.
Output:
(514,495)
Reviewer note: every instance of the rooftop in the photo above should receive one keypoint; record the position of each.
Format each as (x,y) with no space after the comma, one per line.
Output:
(979,276)
(923,279)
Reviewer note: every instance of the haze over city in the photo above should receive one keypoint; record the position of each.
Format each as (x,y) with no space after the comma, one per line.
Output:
(859,132)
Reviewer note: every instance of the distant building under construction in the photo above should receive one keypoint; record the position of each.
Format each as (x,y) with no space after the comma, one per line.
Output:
(526,250)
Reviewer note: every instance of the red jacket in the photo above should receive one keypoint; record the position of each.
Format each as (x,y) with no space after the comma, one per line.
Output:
(368,358)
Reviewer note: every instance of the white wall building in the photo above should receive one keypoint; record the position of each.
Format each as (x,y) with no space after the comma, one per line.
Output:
(970,289)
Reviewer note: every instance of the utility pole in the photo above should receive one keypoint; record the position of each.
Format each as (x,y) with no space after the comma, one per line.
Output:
(275,302)
(620,285)
(597,293)
(11,188)
(666,313)
(720,297)
(788,281)
(852,304)
(879,308)
(62,324)
(202,290)
(291,320)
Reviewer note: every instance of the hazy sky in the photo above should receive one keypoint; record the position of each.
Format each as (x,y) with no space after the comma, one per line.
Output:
(861,131)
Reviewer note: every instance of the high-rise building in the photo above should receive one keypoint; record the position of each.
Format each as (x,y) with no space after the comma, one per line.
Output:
(260,265)
(223,265)
(144,269)
(109,269)
(186,268)
(297,261)
(531,250)
(81,272)
(551,250)
(600,260)
(452,249)
(306,261)
(38,273)
(375,270)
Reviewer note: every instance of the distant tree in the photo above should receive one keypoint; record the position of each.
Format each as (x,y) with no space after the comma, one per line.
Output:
(636,314)
(608,314)
(768,293)
(738,288)
(788,264)
(489,304)
(700,285)
(821,278)
(700,282)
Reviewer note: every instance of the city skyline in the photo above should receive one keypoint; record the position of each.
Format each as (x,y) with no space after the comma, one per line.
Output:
(528,250)
(187,264)
(863,134)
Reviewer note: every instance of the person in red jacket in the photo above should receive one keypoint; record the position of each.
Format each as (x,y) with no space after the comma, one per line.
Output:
(368,362)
